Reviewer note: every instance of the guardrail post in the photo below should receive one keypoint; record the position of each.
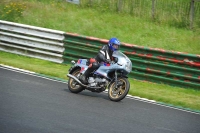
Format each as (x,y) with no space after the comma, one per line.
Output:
(120,5)
(153,9)
(191,14)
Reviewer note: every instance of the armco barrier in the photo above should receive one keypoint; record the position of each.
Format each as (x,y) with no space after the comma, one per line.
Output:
(149,64)
(31,41)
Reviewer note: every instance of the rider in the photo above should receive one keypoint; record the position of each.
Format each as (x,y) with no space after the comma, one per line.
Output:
(104,55)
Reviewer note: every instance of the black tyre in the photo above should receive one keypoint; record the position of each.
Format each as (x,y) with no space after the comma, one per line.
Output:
(73,86)
(119,93)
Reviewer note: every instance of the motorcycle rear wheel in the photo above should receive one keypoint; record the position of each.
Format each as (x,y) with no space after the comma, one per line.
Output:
(73,86)
(119,93)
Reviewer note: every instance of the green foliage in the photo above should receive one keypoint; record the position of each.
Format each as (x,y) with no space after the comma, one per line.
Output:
(12,11)
(169,12)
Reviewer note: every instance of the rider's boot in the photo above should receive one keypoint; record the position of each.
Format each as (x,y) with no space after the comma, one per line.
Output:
(83,78)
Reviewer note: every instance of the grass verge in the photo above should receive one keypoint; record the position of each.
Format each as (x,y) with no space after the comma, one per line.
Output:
(187,98)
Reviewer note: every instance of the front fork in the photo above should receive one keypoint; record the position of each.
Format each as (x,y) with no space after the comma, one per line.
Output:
(115,79)
(117,83)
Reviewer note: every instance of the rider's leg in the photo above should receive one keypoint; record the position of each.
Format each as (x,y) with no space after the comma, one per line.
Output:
(91,68)
(84,77)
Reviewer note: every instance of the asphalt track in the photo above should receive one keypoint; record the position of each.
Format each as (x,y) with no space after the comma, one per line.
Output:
(32,104)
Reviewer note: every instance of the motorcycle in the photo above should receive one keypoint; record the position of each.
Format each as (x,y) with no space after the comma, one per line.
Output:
(111,75)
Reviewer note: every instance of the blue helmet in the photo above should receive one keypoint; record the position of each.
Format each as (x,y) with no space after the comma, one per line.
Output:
(114,41)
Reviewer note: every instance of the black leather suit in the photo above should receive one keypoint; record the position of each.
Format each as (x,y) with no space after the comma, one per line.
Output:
(104,55)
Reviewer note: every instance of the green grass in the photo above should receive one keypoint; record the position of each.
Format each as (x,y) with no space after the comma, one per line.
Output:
(187,98)
(35,65)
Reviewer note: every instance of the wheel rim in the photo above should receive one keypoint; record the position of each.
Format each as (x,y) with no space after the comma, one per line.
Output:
(119,91)
(73,84)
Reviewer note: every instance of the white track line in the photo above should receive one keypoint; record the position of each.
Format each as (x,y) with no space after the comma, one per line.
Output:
(28,73)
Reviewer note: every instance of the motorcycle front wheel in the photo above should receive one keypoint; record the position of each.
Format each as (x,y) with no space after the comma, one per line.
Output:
(73,86)
(118,93)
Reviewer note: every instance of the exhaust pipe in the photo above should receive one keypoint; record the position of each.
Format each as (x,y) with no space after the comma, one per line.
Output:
(77,80)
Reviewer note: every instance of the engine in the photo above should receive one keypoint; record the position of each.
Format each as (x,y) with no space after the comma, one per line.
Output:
(101,82)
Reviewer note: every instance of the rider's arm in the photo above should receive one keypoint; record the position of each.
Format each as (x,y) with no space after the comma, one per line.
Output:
(101,57)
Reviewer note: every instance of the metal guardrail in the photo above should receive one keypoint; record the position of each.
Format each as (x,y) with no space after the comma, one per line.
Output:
(149,64)
(31,41)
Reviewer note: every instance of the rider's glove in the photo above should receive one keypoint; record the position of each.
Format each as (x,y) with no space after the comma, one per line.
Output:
(115,60)
(108,61)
